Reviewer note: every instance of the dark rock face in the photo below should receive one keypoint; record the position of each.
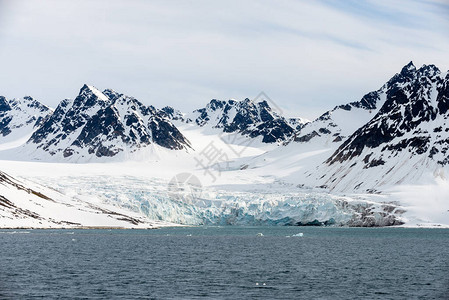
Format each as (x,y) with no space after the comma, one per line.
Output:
(248,118)
(4,106)
(369,216)
(167,135)
(409,83)
(4,128)
(105,124)
(174,114)
(368,101)
(296,123)
(413,118)
(307,137)
(20,113)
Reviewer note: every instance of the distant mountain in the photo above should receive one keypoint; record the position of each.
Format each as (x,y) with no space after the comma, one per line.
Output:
(247,117)
(97,124)
(334,126)
(20,117)
(391,130)
(408,136)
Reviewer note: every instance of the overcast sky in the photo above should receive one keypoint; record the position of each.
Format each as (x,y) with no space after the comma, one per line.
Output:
(307,56)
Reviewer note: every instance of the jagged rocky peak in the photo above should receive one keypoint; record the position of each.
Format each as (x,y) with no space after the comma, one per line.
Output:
(405,136)
(27,103)
(297,123)
(102,124)
(4,105)
(410,129)
(33,103)
(338,124)
(20,116)
(90,96)
(174,114)
(111,94)
(408,70)
(248,117)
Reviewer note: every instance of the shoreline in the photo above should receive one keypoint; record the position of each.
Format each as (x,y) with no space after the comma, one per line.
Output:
(433,226)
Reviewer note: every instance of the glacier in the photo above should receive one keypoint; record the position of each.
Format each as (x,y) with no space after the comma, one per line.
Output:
(152,198)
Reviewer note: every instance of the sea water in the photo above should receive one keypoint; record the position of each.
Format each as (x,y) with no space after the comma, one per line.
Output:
(227,262)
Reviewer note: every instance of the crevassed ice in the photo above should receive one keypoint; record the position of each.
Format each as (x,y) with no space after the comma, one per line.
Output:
(152,199)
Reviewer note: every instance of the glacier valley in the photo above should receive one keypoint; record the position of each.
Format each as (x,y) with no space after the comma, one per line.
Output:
(107,159)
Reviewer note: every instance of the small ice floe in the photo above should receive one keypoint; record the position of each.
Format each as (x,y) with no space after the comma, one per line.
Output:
(299,234)
(260,234)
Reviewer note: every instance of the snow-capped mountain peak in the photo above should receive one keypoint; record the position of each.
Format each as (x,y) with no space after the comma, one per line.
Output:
(97,124)
(410,129)
(90,96)
(111,94)
(408,69)
(246,117)
(20,116)
(336,125)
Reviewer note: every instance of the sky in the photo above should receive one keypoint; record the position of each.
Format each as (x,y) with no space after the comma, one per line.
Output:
(307,56)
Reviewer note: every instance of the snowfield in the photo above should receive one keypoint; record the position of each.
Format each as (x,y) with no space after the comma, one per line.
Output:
(259,189)
(26,204)
(258,184)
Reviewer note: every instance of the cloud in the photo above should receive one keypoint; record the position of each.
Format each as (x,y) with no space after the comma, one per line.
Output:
(307,56)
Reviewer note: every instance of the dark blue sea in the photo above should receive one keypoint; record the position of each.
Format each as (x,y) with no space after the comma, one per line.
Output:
(225,263)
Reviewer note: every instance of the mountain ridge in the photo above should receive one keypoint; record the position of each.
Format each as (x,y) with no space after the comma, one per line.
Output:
(389,119)
(408,135)
(20,116)
(105,125)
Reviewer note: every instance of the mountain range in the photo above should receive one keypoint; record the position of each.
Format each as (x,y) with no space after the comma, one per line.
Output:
(106,123)
(408,114)
(395,135)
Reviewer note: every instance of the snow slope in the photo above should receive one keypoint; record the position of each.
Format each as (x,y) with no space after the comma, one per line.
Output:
(28,205)
(405,142)
(145,192)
